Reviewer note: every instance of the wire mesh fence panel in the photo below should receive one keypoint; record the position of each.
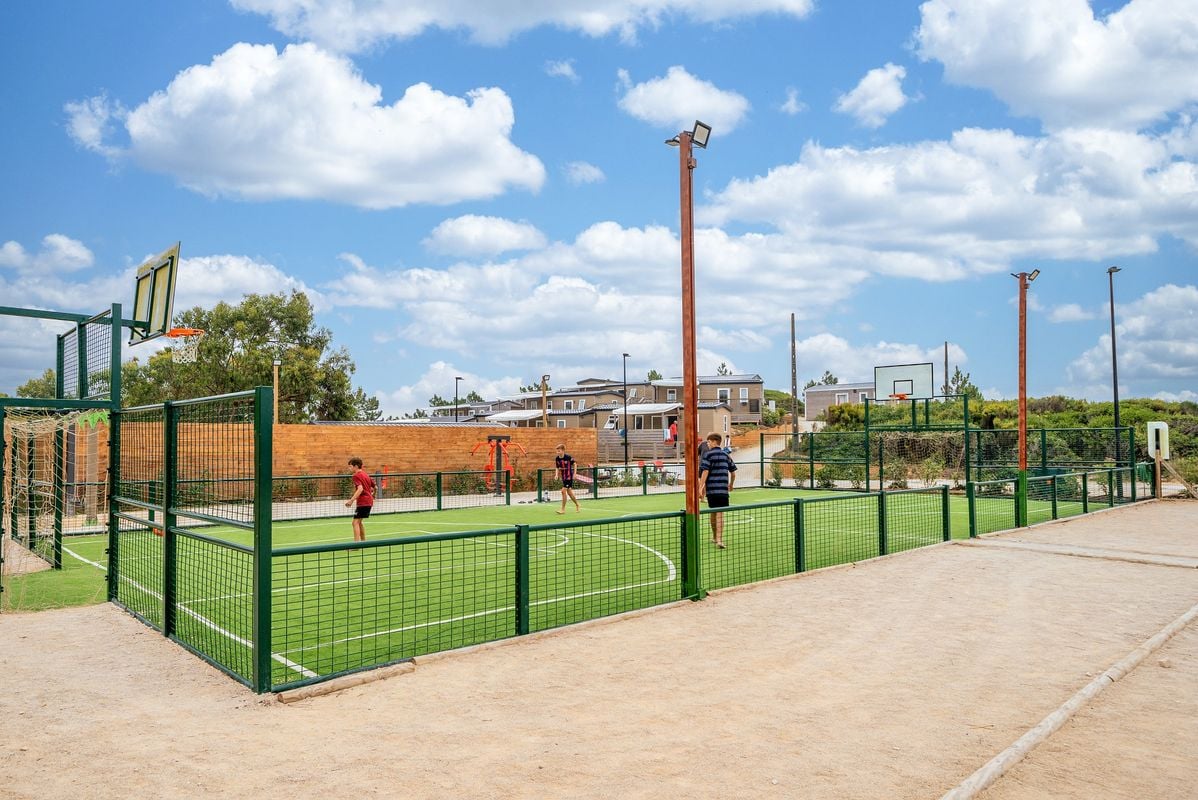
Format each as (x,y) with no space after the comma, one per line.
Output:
(586,570)
(324,496)
(818,460)
(474,489)
(993,507)
(87,359)
(839,530)
(914,519)
(927,413)
(215,597)
(214,461)
(1041,493)
(340,608)
(136,544)
(1068,495)
(759,543)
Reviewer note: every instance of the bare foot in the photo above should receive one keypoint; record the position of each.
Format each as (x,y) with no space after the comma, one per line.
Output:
(563,511)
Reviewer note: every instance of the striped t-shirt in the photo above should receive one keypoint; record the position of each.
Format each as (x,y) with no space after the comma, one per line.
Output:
(565,463)
(718,465)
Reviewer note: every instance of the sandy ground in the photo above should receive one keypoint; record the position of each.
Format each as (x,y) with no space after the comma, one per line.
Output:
(895,678)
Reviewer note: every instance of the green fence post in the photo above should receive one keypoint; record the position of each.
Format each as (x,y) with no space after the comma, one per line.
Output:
(594,483)
(521,580)
(867,447)
(692,587)
(1134,476)
(1021,499)
(1085,493)
(761,459)
(507,488)
(263,546)
(1110,488)
(81,354)
(438,491)
(945,518)
(881,462)
(644,480)
(58,493)
(114,482)
(811,459)
(973,517)
(1053,483)
(170,465)
(540,484)
(800,545)
(882,544)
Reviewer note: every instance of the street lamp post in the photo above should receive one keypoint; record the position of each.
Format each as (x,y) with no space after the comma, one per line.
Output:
(456,381)
(1021,492)
(1115,370)
(544,407)
(690,413)
(625,413)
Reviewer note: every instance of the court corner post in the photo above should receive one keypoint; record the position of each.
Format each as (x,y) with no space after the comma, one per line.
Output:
(692,588)
(1021,499)
(945,517)
(263,469)
(522,584)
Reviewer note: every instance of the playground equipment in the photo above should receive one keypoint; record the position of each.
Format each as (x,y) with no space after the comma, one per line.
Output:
(497,459)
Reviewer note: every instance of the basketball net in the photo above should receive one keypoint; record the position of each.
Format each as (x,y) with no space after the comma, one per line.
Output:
(185,348)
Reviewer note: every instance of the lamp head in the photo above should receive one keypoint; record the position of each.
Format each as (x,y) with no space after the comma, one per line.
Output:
(1113,270)
(625,355)
(673,142)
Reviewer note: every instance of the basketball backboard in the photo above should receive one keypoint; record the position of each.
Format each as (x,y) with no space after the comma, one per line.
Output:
(908,380)
(154,295)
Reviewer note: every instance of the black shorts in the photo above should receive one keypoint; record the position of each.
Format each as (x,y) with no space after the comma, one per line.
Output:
(717,501)
(362,512)
(567,483)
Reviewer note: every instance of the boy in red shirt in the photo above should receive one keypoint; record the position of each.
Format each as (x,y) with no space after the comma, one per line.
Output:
(362,499)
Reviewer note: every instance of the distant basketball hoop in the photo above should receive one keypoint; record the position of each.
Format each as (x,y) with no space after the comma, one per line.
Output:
(185,348)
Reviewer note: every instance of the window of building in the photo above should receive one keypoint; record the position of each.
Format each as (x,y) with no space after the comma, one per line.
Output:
(638,423)
(632,392)
(561,423)
(672,395)
(568,405)
(842,397)
(744,395)
(582,403)
(723,395)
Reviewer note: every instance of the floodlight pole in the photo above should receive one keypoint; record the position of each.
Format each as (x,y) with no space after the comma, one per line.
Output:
(626,414)
(690,411)
(1021,489)
(1115,376)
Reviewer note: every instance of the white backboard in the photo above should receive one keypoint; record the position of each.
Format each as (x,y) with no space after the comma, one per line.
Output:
(912,380)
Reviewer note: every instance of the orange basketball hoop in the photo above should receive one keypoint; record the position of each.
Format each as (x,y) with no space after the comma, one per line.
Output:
(899,396)
(186,348)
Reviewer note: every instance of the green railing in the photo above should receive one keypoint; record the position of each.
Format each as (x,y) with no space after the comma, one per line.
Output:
(994,505)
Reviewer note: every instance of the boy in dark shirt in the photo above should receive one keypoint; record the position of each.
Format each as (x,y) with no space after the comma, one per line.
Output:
(563,469)
(717,474)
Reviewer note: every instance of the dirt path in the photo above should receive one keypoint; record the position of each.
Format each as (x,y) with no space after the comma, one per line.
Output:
(896,678)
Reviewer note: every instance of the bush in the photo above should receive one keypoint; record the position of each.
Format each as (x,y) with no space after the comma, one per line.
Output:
(827,475)
(775,478)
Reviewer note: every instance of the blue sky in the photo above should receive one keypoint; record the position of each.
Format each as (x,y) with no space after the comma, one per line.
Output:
(482,189)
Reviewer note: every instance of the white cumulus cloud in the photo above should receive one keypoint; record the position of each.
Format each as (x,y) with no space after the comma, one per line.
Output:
(580,172)
(878,95)
(1056,61)
(1070,312)
(676,100)
(303,124)
(562,69)
(472,235)
(58,253)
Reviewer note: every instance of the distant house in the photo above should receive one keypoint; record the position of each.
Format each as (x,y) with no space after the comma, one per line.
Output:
(743,394)
(817,399)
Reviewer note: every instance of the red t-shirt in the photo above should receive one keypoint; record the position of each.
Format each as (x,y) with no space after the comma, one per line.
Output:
(366,498)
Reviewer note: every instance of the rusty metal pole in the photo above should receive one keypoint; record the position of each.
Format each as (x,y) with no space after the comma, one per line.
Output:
(690,409)
(1021,484)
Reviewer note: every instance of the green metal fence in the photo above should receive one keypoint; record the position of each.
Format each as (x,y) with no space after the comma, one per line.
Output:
(178,468)
(994,505)
(615,480)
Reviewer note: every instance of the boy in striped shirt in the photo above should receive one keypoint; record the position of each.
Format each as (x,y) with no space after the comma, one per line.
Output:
(717,474)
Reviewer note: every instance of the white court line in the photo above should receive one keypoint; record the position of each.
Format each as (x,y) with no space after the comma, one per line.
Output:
(307,673)
(671,575)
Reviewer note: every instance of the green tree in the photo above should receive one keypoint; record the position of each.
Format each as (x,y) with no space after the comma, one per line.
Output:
(474,397)
(959,383)
(722,369)
(237,352)
(827,380)
(45,386)
(653,375)
(437,401)
(366,407)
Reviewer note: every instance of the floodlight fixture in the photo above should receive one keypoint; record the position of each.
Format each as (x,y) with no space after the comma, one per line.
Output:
(701,134)
(1034,274)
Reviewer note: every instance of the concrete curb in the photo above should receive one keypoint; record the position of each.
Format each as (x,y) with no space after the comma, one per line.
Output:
(998,766)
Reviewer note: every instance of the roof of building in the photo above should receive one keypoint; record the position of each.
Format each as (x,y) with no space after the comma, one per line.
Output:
(515,415)
(839,387)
